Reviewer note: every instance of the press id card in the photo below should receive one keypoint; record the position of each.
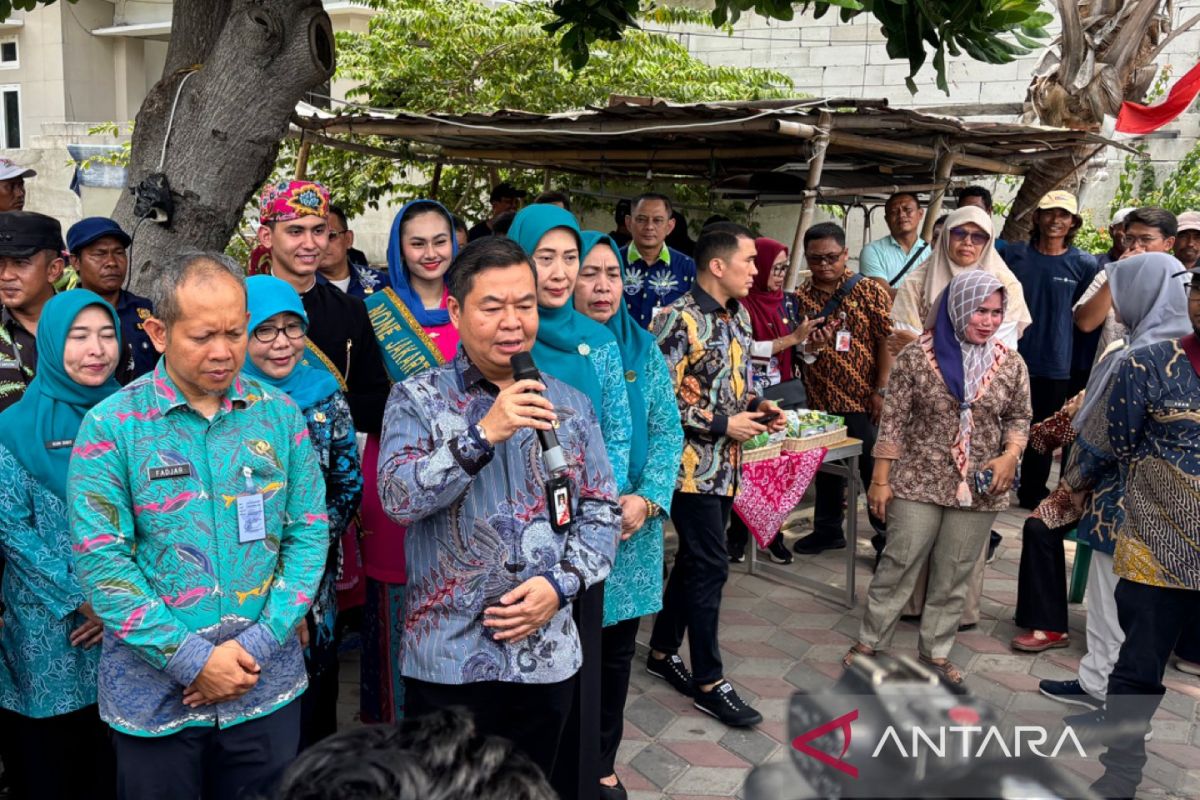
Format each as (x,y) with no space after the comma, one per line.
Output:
(252,520)
(842,341)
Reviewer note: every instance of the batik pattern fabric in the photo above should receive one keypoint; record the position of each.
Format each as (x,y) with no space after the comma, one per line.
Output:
(844,382)
(478,525)
(613,413)
(1154,428)
(1092,465)
(285,201)
(707,348)
(41,674)
(18,359)
(331,431)
(153,490)
(920,424)
(634,586)
(650,287)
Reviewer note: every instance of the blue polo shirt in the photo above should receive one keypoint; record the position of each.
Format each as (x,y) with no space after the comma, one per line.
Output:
(884,258)
(1052,285)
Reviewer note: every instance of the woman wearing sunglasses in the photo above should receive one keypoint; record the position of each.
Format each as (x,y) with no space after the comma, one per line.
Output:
(967,243)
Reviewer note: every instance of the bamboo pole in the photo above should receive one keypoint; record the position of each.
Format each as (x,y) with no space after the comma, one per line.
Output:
(815,167)
(642,155)
(436,183)
(905,149)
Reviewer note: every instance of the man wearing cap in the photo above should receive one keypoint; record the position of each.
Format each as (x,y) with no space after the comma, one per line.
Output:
(1053,274)
(505,199)
(30,262)
(294,226)
(98,250)
(1187,239)
(12,185)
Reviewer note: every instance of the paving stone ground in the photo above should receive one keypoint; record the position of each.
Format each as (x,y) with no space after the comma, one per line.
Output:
(777,639)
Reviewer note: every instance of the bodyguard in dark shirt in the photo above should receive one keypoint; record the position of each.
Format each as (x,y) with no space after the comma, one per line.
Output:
(99,254)
(30,262)
(294,226)
(1054,275)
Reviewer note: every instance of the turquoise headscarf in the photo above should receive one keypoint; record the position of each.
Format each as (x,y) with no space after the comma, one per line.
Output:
(398,270)
(267,296)
(39,429)
(636,345)
(565,338)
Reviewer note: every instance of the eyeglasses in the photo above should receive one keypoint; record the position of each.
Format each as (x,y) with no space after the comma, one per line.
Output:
(333,235)
(825,260)
(781,268)
(977,238)
(1141,241)
(546,260)
(657,222)
(269,333)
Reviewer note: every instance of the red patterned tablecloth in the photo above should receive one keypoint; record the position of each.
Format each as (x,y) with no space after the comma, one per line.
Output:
(771,489)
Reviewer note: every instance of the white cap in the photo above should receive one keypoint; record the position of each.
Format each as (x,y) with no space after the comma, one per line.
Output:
(1119,217)
(9,170)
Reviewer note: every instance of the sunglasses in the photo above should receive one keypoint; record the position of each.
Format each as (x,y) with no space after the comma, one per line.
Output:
(977,238)
(822,260)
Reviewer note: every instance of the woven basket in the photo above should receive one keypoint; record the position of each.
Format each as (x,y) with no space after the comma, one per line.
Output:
(762,453)
(813,442)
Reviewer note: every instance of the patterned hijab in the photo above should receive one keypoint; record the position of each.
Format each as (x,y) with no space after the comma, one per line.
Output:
(1151,301)
(963,365)
(39,429)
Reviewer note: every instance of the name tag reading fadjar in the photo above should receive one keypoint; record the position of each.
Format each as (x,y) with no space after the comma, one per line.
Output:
(252,521)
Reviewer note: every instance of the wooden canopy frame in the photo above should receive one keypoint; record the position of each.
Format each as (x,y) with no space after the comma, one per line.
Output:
(835,150)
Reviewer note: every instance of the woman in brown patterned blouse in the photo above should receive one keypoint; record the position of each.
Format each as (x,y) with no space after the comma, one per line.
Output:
(954,425)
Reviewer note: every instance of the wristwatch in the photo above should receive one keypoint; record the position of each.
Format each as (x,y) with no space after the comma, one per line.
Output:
(482,433)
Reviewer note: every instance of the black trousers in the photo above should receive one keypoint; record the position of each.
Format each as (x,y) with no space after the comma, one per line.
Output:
(65,757)
(243,761)
(618,646)
(318,704)
(577,768)
(692,602)
(829,515)
(1042,580)
(1153,618)
(738,535)
(530,715)
(1046,396)
(1189,645)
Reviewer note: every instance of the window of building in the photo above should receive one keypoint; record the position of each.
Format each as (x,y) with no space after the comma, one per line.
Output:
(10,116)
(9,58)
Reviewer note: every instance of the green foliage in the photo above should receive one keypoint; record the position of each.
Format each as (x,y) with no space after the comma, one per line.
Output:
(9,6)
(1092,239)
(118,158)
(453,56)
(993,31)
(1140,185)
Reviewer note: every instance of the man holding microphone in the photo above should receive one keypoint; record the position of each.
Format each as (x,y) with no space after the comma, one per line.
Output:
(494,559)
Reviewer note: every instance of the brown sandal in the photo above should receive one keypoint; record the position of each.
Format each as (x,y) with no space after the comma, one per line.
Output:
(859,649)
(944,667)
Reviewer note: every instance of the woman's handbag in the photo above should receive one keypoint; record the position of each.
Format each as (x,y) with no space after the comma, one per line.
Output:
(788,394)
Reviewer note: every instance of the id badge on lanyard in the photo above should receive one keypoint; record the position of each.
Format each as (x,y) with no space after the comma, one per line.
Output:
(252,521)
(841,341)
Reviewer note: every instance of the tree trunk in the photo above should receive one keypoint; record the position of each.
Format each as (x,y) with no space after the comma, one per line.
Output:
(246,64)
(1043,177)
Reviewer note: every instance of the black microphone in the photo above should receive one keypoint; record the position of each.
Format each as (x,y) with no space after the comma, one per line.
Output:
(552,455)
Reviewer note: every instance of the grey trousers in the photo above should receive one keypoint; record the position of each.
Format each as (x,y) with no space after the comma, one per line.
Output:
(950,540)
(971,615)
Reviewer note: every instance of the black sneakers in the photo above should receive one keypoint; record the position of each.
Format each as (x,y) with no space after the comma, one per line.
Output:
(993,543)
(1069,692)
(723,703)
(779,551)
(818,543)
(672,670)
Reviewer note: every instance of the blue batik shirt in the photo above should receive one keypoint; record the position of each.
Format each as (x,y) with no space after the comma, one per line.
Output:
(652,285)
(478,525)
(153,489)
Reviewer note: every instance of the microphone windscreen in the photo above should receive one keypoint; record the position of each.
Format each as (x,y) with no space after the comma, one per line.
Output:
(523,367)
